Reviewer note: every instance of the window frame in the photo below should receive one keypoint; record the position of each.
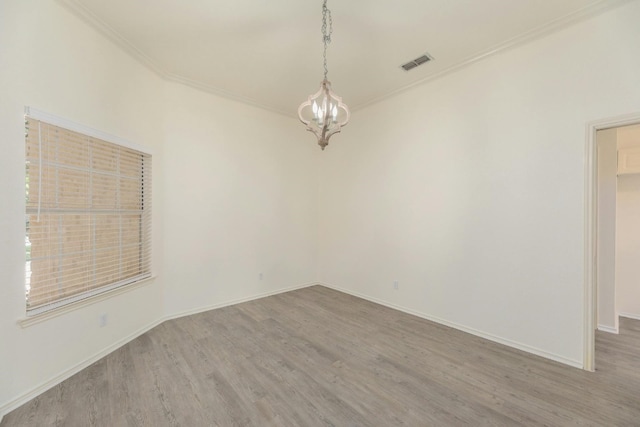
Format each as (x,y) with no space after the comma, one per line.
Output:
(63,304)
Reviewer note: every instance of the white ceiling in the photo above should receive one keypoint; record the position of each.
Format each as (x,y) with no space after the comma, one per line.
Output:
(269,53)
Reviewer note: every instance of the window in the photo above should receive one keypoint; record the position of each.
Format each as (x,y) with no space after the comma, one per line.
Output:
(88,213)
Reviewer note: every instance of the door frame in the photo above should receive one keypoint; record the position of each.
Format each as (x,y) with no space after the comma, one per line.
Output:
(590,231)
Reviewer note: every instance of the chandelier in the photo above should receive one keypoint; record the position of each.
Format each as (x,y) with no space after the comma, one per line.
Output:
(323,113)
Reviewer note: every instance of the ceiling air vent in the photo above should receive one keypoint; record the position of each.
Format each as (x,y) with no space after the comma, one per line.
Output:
(418,61)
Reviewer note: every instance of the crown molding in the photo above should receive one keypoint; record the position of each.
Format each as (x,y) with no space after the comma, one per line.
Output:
(81,11)
(556,25)
(175,78)
(86,15)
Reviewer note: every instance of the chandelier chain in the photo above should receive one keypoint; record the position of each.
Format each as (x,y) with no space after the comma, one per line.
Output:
(323,113)
(326,34)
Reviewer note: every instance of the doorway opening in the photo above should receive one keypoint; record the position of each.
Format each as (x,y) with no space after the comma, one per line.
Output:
(595,247)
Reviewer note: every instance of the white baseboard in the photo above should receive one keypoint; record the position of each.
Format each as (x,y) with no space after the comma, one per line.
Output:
(481,334)
(237,301)
(630,316)
(609,329)
(52,382)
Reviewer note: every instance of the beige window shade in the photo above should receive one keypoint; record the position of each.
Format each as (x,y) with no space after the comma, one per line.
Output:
(88,216)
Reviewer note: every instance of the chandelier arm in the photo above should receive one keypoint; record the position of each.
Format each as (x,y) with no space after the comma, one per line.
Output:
(324,113)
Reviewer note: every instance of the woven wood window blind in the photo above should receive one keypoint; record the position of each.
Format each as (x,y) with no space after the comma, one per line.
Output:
(88,216)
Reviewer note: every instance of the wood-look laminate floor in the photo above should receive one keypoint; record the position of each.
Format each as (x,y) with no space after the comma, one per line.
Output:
(317,357)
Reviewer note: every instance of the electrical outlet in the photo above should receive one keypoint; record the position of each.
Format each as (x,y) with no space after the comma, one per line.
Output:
(261,276)
(103,320)
(395,284)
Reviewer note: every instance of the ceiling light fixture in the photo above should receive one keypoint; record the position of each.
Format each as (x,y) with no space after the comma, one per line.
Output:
(323,113)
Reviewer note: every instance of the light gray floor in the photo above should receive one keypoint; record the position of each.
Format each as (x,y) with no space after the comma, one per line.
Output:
(317,357)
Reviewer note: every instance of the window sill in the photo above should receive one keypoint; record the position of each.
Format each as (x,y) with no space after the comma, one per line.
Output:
(43,317)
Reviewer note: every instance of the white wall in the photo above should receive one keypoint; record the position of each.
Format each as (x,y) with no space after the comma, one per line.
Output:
(469,190)
(628,233)
(241,199)
(234,192)
(607,142)
(53,62)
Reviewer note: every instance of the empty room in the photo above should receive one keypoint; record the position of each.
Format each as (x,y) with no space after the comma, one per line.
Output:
(319,213)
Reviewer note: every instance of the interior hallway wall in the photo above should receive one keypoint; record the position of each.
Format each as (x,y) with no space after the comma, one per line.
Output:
(628,232)
(607,316)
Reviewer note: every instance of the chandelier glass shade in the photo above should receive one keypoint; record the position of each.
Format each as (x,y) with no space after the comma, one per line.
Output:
(324,113)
